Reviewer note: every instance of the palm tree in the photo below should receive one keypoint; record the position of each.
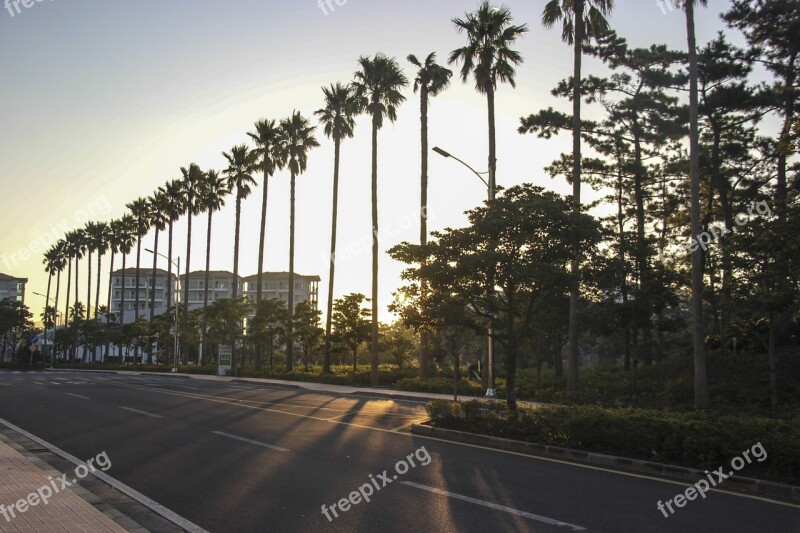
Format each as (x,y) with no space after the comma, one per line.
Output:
(68,254)
(241,164)
(701,396)
(192,177)
(297,136)
(431,80)
(173,190)
(124,235)
(158,205)
(94,243)
(78,249)
(113,242)
(59,263)
(267,140)
(377,86)
(338,120)
(102,239)
(582,20)
(140,211)
(211,197)
(51,267)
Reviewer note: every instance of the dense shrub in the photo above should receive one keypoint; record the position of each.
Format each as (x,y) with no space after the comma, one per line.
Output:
(696,440)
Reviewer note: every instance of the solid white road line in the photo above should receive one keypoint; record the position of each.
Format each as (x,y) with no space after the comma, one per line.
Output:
(257,443)
(141,412)
(77,396)
(156,507)
(536,517)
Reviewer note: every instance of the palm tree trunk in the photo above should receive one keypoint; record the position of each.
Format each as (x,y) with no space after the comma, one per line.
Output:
(169,268)
(88,287)
(136,296)
(423,219)
(66,303)
(47,308)
(373,350)
(122,306)
(108,313)
(55,315)
(326,361)
(77,300)
(185,354)
(170,293)
(573,384)
(153,280)
(289,325)
(701,397)
(235,280)
(490,361)
(97,289)
(203,342)
(261,242)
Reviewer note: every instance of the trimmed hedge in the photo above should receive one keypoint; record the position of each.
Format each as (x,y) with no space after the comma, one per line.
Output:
(692,439)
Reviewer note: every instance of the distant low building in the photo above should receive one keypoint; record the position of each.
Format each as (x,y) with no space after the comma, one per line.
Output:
(276,285)
(12,288)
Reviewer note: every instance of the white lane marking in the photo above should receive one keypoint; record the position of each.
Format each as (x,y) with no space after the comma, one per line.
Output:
(156,507)
(250,441)
(55,383)
(141,412)
(536,517)
(77,396)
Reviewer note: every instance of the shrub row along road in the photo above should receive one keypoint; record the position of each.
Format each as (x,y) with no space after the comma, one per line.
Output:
(242,457)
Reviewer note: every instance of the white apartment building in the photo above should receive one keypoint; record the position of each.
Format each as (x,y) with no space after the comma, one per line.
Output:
(12,288)
(220,285)
(276,285)
(126,281)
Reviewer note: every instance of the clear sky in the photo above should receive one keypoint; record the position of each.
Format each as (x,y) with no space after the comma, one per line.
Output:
(102,101)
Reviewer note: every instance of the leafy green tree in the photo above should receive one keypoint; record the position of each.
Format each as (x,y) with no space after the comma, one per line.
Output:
(307,331)
(351,322)
(338,121)
(15,322)
(399,341)
(524,242)
(268,326)
(377,85)
(225,319)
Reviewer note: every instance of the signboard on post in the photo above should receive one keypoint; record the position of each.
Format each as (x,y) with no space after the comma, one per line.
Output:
(224,360)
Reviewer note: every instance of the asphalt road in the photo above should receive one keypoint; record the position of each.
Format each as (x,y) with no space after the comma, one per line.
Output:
(241,457)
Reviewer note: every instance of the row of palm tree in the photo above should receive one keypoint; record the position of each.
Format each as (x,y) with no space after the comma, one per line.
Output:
(376,90)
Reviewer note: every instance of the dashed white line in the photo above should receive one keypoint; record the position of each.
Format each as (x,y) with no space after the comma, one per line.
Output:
(141,412)
(77,396)
(250,441)
(490,505)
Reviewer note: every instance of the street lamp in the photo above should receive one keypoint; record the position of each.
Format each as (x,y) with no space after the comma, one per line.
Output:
(178,265)
(490,186)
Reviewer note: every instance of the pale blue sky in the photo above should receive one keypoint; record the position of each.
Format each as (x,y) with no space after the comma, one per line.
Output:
(103,101)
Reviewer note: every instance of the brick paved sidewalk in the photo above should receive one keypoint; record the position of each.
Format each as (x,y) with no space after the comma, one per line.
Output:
(65,511)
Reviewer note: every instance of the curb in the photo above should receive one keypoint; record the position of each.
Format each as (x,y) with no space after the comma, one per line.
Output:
(770,489)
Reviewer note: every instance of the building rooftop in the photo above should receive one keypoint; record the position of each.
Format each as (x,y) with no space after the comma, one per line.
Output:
(7,277)
(272,275)
(212,273)
(144,270)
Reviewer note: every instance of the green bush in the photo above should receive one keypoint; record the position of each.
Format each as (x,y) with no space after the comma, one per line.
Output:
(696,440)
(440,386)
